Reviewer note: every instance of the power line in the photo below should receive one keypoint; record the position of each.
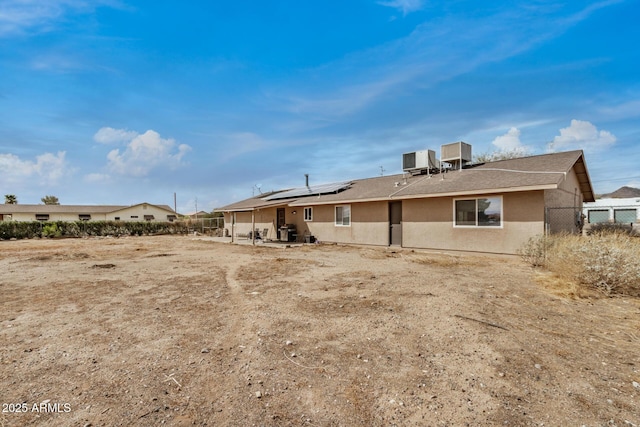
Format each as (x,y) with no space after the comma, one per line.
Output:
(617,179)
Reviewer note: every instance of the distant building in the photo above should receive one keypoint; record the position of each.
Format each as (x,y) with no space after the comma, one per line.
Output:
(199,214)
(613,210)
(139,212)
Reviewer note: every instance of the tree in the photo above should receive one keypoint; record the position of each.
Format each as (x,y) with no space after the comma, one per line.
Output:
(514,153)
(10,199)
(50,200)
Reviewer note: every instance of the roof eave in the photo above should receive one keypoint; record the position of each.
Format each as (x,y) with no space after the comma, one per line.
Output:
(582,174)
(230,208)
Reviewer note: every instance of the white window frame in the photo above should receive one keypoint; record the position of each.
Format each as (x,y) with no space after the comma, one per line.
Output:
(335,212)
(308,214)
(489,227)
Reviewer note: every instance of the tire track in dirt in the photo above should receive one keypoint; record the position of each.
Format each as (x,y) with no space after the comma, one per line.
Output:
(242,360)
(237,323)
(236,295)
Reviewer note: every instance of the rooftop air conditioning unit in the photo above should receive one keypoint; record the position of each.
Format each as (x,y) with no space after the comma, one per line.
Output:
(456,153)
(425,159)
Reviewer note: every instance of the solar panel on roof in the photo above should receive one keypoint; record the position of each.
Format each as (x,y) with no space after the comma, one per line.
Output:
(313,190)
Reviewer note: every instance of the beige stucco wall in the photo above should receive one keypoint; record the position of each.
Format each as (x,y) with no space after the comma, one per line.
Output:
(369,224)
(428,223)
(264,218)
(568,197)
(568,193)
(126,214)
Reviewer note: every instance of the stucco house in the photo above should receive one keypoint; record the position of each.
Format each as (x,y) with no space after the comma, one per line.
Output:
(138,212)
(490,207)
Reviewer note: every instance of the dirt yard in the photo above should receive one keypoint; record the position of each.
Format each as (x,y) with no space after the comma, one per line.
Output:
(183,331)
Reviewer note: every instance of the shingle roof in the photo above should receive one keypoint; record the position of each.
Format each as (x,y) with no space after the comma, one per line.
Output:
(72,209)
(84,209)
(545,171)
(254,203)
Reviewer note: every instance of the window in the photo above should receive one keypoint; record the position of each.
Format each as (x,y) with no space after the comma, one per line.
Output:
(171,218)
(625,216)
(482,212)
(308,214)
(42,217)
(134,216)
(598,215)
(343,215)
(149,217)
(84,217)
(117,218)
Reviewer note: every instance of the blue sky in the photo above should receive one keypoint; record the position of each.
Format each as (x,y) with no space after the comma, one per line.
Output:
(119,102)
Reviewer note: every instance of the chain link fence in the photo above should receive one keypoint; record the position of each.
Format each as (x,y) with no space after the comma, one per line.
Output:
(563,220)
(208,226)
(578,219)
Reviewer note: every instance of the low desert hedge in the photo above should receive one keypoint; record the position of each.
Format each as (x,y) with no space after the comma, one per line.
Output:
(31,229)
(606,261)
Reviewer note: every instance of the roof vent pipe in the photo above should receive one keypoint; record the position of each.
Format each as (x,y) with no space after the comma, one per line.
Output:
(306,179)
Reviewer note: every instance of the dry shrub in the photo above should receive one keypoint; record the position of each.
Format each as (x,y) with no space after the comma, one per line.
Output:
(564,288)
(438,261)
(534,251)
(615,228)
(608,261)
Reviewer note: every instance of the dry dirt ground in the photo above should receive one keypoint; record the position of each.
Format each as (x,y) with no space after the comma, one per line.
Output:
(181,331)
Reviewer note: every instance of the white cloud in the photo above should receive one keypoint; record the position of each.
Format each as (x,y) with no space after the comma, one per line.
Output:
(97,177)
(582,135)
(406,6)
(628,109)
(508,141)
(20,15)
(508,146)
(48,167)
(109,135)
(435,51)
(146,152)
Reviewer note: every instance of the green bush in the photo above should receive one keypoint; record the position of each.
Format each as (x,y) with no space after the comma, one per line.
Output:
(20,230)
(51,230)
(28,230)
